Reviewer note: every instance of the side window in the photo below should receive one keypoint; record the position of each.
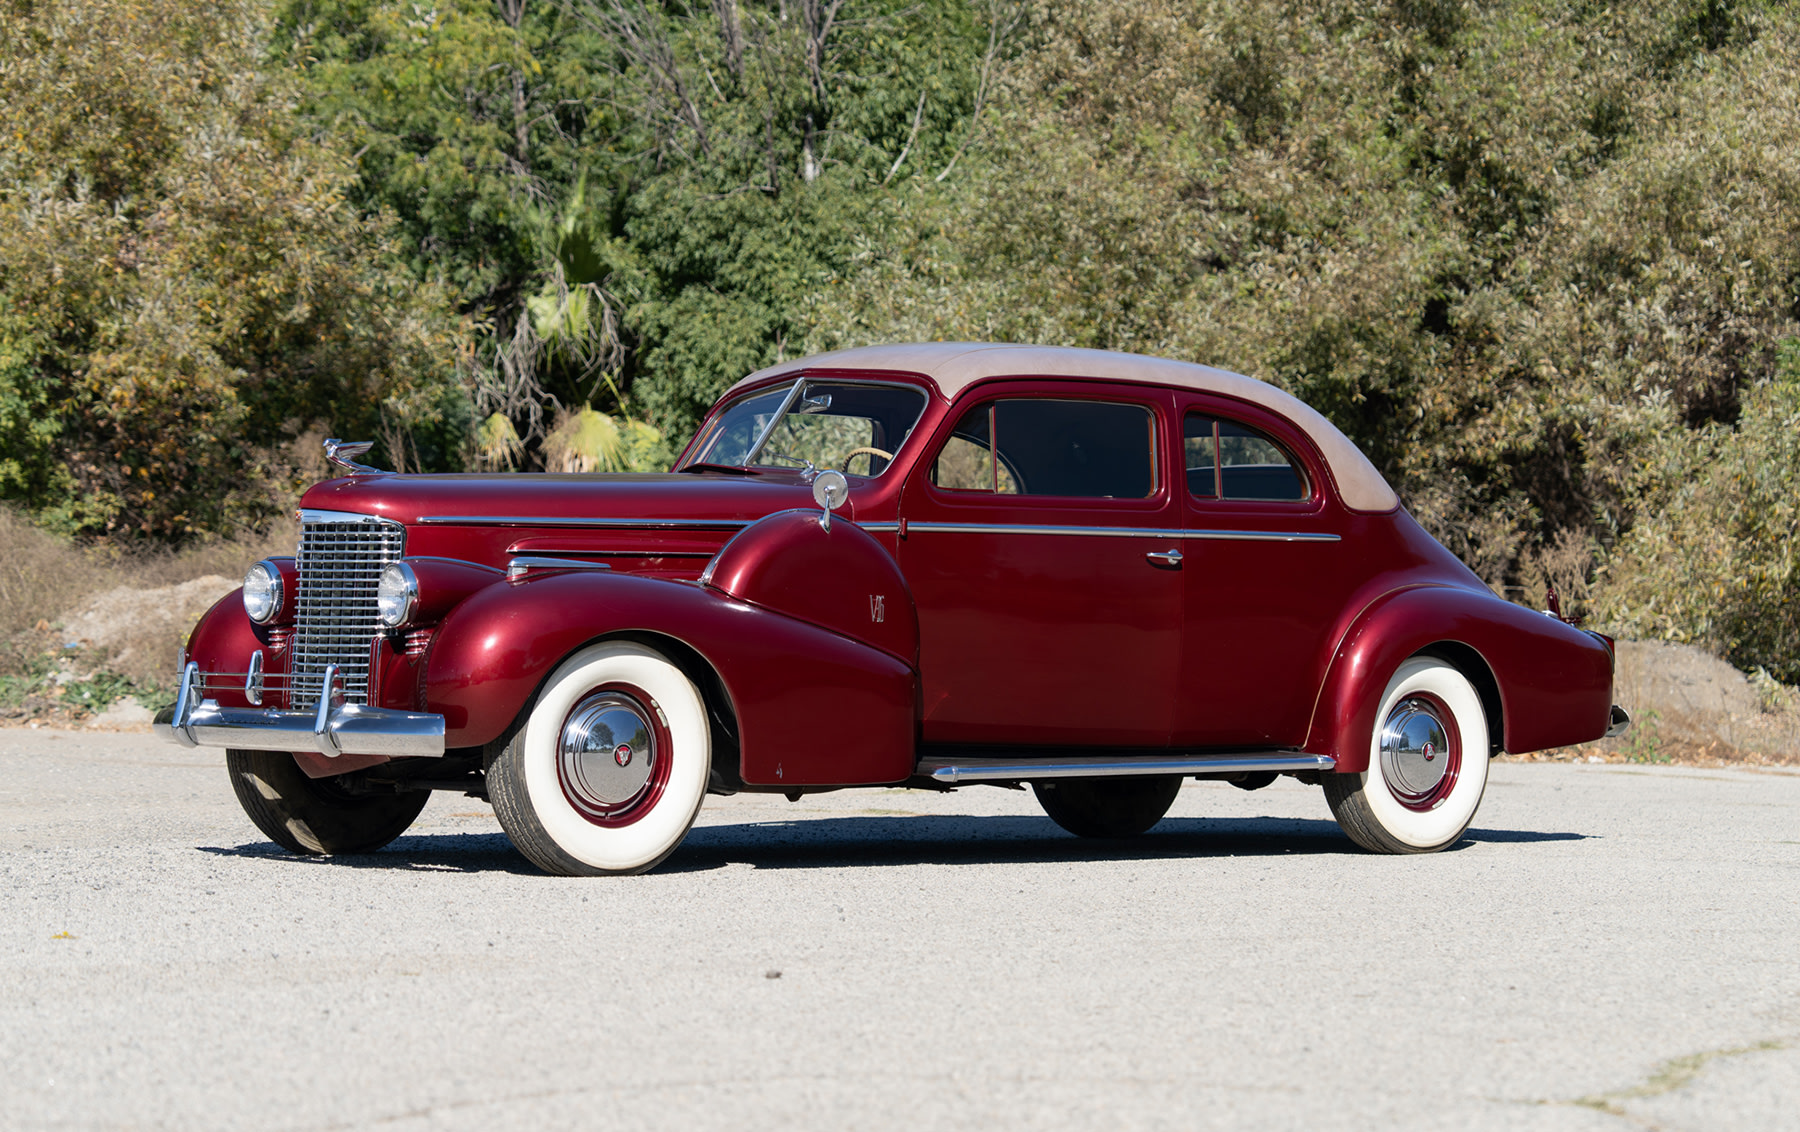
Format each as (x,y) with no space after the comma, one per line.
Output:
(1227,460)
(1028,446)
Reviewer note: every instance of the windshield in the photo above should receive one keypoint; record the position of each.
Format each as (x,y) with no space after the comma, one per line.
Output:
(854,427)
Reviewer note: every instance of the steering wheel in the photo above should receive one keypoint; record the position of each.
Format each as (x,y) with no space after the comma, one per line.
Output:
(855,452)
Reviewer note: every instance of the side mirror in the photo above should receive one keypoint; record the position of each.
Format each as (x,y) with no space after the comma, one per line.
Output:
(830,490)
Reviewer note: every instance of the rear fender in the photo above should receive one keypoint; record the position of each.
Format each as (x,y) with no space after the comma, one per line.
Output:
(812,706)
(1544,683)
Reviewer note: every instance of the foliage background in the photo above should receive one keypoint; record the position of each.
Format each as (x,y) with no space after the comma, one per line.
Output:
(1540,259)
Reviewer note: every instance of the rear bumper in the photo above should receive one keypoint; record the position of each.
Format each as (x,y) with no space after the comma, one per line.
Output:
(336,728)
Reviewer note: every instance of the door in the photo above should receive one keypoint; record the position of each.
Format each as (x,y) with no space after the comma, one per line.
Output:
(1265,574)
(1030,529)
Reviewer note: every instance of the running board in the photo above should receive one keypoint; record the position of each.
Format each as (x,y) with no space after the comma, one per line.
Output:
(951,770)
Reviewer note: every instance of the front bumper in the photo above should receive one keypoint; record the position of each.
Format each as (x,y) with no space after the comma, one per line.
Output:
(335,728)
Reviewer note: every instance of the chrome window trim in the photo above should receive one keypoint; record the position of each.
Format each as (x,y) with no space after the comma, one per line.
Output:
(769,429)
(573,521)
(1109,532)
(810,377)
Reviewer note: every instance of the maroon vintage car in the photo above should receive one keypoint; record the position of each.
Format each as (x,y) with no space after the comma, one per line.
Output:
(915,565)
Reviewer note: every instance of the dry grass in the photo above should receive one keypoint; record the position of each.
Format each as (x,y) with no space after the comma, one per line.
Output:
(39,575)
(45,580)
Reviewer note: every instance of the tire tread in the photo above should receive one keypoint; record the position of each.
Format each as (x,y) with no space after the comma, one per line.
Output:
(296,812)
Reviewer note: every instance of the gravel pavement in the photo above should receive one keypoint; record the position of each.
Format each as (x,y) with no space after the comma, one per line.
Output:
(1611,947)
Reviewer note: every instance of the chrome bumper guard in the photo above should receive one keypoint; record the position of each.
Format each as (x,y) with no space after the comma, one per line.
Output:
(335,728)
(1618,723)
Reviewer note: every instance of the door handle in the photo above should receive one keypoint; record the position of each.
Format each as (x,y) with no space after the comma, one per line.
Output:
(1165,558)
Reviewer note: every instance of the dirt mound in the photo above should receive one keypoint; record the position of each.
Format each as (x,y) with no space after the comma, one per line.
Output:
(132,623)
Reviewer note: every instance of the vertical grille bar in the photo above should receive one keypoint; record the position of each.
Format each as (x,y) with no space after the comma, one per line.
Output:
(340,564)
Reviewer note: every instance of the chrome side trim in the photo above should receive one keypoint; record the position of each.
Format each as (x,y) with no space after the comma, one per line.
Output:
(1111,532)
(1260,536)
(880,528)
(954,770)
(577,521)
(309,515)
(525,563)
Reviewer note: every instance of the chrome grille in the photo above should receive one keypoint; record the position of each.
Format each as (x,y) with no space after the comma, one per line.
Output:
(341,558)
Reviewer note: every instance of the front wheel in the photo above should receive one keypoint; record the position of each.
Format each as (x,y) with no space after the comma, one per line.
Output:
(1108,807)
(1428,764)
(316,816)
(610,768)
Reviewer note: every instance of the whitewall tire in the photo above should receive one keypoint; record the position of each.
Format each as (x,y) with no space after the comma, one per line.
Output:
(1428,764)
(610,768)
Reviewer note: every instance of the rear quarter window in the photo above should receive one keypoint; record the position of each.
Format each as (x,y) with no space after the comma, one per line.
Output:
(1228,460)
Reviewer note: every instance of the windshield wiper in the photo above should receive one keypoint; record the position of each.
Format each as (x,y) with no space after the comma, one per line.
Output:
(731,469)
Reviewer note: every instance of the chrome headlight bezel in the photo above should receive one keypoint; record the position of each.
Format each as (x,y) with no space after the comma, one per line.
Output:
(396,595)
(263,592)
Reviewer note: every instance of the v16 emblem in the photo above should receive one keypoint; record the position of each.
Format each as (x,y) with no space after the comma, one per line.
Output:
(877,608)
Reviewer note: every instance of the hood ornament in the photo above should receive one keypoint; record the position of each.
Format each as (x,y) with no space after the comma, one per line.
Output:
(340,453)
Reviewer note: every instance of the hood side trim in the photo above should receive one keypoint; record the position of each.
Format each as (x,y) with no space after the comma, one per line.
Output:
(580,521)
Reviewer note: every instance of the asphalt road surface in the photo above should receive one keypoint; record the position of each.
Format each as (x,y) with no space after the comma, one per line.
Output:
(1610,948)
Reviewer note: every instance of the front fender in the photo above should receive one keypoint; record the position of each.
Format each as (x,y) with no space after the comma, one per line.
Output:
(813,707)
(831,574)
(221,644)
(1552,682)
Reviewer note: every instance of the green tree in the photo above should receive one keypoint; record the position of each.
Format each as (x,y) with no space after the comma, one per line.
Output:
(1492,242)
(183,287)
(634,197)
(473,122)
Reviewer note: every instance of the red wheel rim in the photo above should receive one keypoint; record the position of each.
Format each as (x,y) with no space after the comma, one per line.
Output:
(1421,751)
(613,755)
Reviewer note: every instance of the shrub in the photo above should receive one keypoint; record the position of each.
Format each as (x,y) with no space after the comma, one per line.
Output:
(1715,556)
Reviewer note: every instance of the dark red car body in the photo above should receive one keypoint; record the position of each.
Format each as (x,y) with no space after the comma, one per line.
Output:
(925,623)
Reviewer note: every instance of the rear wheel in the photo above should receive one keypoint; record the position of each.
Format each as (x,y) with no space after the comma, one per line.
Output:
(1428,764)
(610,768)
(1108,807)
(316,816)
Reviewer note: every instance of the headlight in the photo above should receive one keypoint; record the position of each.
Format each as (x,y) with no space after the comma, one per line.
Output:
(262,592)
(397,595)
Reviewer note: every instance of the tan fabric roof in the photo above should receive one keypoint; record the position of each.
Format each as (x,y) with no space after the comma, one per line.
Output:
(954,366)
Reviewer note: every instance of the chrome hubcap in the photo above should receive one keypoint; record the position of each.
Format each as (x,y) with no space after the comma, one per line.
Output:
(607,752)
(1420,754)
